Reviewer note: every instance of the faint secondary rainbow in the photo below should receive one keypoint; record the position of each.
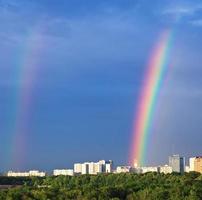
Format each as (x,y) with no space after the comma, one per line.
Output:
(25,76)
(154,76)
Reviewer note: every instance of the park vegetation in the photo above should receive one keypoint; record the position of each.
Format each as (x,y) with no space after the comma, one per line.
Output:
(129,186)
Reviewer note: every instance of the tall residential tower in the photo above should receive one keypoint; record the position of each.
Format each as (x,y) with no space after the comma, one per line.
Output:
(177,163)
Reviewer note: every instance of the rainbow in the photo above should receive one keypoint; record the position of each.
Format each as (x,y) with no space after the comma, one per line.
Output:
(154,76)
(25,76)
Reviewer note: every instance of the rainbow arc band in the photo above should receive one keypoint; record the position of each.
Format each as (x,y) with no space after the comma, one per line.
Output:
(154,76)
(26,75)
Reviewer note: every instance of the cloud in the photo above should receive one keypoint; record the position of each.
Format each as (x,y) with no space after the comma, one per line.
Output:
(8,4)
(197,22)
(179,11)
(183,8)
(183,12)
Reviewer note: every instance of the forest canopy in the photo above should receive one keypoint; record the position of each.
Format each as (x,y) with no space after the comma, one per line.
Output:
(129,186)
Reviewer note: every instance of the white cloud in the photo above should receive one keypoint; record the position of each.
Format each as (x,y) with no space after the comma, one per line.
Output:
(179,11)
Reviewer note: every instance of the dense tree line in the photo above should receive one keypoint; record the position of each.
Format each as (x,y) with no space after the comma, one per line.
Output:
(150,186)
(4,180)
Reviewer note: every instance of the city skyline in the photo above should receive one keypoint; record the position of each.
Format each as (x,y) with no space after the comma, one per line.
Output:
(176,163)
(71,73)
(187,161)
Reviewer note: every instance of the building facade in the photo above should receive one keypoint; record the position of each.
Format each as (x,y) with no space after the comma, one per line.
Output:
(149,169)
(177,163)
(26,174)
(85,168)
(191,164)
(196,164)
(93,168)
(109,166)
(63,172)
(123,169)
(187,169)
(165,169)
(77,168)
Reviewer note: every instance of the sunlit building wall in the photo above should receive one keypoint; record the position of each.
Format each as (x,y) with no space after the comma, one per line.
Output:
(63,172)
(196,164)
(149,169)
(123,169)
(77,168)
(165,169)
(85,168)
(26,174)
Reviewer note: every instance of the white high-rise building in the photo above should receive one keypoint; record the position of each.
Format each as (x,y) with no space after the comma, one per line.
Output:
(108,166)
(77,168)
(98,168)
(177,163)
(85,168)
(191,164)
(101,166)
(92,168)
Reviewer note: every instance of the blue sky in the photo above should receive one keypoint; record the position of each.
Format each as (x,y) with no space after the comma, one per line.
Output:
(88,58)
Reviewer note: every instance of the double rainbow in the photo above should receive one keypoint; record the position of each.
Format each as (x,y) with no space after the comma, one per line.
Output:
(153,79)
